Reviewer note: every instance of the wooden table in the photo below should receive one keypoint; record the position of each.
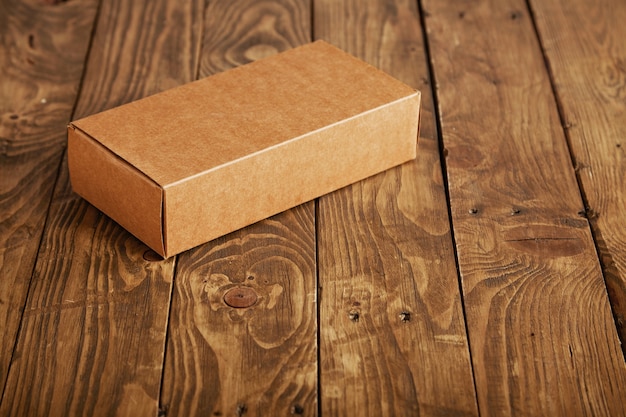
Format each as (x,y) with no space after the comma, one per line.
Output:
(471,281)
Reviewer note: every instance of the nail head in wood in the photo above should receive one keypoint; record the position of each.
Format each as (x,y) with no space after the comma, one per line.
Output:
(405,316)
(353,315)
(241,409)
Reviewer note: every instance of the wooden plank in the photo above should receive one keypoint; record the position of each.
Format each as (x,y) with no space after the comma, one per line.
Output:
(93,332)
(386,252)
(42,49)
(261,360)
(541,333)
(258,360)
(587,59)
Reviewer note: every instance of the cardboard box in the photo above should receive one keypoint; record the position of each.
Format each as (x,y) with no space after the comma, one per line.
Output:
(193,163)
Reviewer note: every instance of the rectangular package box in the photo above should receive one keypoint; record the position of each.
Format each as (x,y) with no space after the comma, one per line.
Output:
(190,164)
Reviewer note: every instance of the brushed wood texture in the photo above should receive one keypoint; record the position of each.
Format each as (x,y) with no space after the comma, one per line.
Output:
(93,333)
(584,45)
(241,31)
(392,333)
(537,311)
(42,52)
(258,359)
(256,356)
(96,335)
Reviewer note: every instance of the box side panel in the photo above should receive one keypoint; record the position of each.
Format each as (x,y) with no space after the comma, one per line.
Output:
(263,184)
(114,187)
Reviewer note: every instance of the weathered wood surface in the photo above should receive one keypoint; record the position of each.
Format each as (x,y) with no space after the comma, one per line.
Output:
(584,45)
(100,335)
(93,331)
(260,359)
(540,326)
(392,333)
(42,52)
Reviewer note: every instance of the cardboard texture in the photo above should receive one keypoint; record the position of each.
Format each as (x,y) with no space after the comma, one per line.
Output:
(196,162)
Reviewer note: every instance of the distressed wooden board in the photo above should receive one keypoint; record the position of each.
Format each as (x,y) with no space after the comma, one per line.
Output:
(587,57)
(541,333)
(42,50)
(93,332)
(259,360)
(386,252)
(241,31)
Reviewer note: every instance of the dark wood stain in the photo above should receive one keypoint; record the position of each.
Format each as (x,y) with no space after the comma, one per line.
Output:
(385,247)
(532,272)
(262,358)
(39,80)
(519,312)
(591,93)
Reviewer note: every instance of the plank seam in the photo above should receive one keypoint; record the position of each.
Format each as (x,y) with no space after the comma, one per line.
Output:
(162,408)
(318,313)
(79,91)
(201,43)
(317,306)
(585,212)
(312,21)
(54,186)
(446,187)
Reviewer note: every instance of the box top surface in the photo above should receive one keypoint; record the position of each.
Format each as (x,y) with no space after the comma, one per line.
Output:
(191,129)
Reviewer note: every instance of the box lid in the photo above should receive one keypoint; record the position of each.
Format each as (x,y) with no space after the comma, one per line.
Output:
(197,127)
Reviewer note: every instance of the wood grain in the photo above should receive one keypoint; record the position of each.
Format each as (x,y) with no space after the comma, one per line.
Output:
(392,334)
(539,320)
(587,57)
(42,50)
(242,31)
(260,360)
(93,332)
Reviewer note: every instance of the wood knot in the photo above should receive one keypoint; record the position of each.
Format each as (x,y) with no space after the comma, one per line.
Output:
(152,256)
(240,297)
(259,51)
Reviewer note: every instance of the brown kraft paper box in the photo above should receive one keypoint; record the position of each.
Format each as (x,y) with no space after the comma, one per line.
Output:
(196,162)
